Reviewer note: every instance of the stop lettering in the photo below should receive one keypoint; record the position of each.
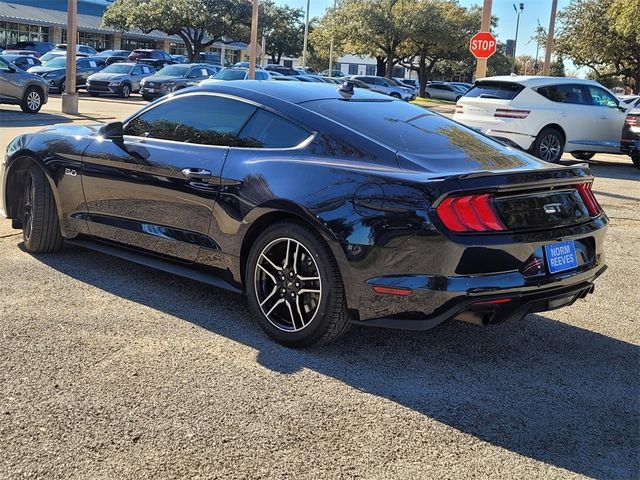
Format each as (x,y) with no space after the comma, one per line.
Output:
(483,45)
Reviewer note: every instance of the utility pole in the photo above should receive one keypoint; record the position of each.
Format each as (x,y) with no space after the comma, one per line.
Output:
(549,48)
(254,41)
(306,37)
(331,49)
(70,96)
(515,42)
(485,26)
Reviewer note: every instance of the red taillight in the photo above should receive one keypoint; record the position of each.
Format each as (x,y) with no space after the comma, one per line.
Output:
(511,113)
(401,291)
(588,198)
(631,120)
(496,301)
(470,213)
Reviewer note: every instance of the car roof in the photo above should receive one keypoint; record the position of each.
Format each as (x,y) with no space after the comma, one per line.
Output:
(534,81)
(293,92)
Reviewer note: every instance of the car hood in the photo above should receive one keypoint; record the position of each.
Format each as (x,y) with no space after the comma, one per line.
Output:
(162,79)
(44,69)
(109,76)
(77,131)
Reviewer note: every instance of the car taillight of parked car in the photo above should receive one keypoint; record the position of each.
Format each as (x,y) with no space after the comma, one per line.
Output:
(589,199)
(631,120)
(470,213)
(511,113)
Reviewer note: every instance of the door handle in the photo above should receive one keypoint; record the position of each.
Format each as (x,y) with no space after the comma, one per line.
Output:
(603,117)
(197,173)
(564,114)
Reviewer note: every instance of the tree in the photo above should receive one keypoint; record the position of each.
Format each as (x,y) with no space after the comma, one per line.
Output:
(283,28)
(557,68)
(439,32)
(603,35)
(199,23)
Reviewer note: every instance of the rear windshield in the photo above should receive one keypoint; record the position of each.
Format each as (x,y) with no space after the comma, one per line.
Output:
(409,129)
(230,74)
(115,68)
(173,71)
(496,90)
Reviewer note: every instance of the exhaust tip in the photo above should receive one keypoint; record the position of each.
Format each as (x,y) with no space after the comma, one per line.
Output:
(474,318)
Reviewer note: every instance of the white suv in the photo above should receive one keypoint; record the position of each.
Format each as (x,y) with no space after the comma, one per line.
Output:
(545,115)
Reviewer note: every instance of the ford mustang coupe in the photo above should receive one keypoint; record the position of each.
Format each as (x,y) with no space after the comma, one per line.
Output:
(326,206)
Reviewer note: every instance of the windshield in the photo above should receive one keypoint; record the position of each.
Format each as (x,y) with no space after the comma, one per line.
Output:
(230,75)
(50,55)
(496,90)
(57,62)
(117,68)
(173,71)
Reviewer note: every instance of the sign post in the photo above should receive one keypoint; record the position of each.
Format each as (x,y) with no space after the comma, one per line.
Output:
(482,45)
(481,67)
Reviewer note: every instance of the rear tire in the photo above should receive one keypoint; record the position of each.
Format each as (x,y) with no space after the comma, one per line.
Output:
(32,100)
(40,225)
(147,98)
(635,158)
(395,95)
(94,94)
(583,155)
(294,286)
(427,95)
(549,145)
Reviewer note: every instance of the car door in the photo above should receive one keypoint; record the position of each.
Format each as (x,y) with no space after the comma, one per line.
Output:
(136,76)
(82,72)
(196,75)
(609,119)
(11,81)
(155,189)
(570,109)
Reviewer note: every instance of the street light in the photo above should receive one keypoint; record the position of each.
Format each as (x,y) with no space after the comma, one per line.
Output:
(306,38)
(515,42)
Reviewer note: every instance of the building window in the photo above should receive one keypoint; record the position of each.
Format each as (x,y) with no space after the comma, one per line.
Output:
(99,41)
(134,43)
(353,69)
(11,33)
(288,63)
(177,48)
(371,70)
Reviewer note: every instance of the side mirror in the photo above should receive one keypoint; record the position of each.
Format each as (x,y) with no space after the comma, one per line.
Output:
(12,68)
(112,131)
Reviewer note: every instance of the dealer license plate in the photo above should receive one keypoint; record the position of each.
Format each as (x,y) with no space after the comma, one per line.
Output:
(561,256)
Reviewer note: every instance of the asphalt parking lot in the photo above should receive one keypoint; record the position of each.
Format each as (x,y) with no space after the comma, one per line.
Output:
(110,370)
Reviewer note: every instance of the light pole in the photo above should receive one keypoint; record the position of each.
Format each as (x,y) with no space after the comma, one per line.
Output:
(331,49)
(254,41)
(306,38)
(485,26)
(70,96)
(515,42)
(549,48)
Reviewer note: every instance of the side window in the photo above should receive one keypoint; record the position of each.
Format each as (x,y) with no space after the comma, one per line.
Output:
(573,94)
(261,76)
(266,130)
(82,64)
(353,69)
(193,73)
(166,56)
(4,65)
(146,69)
(93,64)
(137,70)
(601,98)
(201,119)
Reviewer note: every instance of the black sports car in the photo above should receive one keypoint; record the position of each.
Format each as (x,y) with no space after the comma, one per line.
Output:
(326,207)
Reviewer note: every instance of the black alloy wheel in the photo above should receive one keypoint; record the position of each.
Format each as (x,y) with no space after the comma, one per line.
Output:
(549,145)
(125,91)
(294,286)
(32,100)
(582,155)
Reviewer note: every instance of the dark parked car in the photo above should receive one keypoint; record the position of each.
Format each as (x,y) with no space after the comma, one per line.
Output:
(156,58)
(40,47)
(326,207)
(174,77)
(54,71)
(114,56)
(21,88)
(631,135)
(211,57)
(286,71)
(31,53)
(25,62)
(119,79)
(180,58)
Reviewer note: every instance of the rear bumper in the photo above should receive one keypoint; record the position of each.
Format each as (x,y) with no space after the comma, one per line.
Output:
(153,93)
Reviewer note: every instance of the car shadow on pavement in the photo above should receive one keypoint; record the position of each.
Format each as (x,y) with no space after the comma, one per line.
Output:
(12,118)
(550,391)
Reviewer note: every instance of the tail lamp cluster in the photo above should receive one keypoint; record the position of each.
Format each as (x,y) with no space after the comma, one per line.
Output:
(511,113)
(589,199)
(470,213)
(631,120)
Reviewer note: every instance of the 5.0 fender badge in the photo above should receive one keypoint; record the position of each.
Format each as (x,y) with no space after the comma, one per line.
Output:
(70,172)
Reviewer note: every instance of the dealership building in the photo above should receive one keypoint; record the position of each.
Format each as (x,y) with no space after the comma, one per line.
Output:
(46,21)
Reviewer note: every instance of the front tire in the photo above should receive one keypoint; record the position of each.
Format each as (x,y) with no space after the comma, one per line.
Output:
(582,155)
(32,100)
(40,225)
(147,98)
(635,158)
(294,286)
(549,145)
(125,91)
(395,95)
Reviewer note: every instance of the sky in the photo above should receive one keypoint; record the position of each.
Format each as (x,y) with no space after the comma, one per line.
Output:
(534,10)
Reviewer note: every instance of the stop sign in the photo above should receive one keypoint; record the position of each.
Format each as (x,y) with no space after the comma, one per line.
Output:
(483,45)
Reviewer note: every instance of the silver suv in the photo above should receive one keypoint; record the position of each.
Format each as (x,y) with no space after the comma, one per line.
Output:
(21,88)
(119,79)
(386,86)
